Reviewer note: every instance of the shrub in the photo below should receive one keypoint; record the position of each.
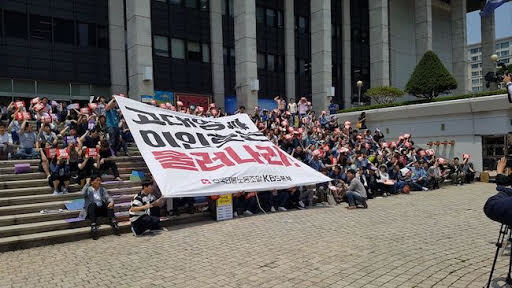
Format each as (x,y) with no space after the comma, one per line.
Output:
(430,78)
(384,94)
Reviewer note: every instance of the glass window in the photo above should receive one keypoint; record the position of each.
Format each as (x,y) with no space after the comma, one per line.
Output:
(474,58)
(505,53)
(5,85)
(101,90)
(261,61)
(86,35)
(271,62)
(280,21)
(232,56)
(16,24)
(102,37)
(506,61)
(475,81)
(205,51)
(53,88)
(63,31)
(504,45)
(178,48)
(302,67)
(175,2)
(231,8)
(474,50)
(191,4)
(161,45)
(476,73)
(24,86)
(163,1)
(498,46)
(260,15)
(226,56)
(475,89)
(203,5)
(302,24)
(193,51)
(224,7)
(40,28)
(82,90)
(271,18)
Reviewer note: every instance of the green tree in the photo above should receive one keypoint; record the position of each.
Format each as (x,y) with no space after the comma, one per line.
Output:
(501,71)
(384,94)
(430,78)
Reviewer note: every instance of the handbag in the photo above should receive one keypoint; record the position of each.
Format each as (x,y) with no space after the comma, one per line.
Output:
(359,125)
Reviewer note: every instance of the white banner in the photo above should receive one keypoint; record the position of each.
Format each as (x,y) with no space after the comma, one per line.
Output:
(194,156)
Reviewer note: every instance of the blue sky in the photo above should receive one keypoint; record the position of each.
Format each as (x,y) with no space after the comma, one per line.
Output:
(503,23)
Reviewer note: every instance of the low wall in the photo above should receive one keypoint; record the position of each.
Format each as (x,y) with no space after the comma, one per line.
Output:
(464,121)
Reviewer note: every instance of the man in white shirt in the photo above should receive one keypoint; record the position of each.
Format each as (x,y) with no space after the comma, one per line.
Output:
(292,108)
(5,143)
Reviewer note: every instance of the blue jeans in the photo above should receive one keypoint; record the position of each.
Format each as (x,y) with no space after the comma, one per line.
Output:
(417,185)
(354,197)
(280,200)
(27,153)
(114,135)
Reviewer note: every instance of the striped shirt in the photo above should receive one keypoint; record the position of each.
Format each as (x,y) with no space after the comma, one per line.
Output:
(139,200)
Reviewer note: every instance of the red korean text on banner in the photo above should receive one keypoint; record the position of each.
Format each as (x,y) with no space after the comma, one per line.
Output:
(19,104)
(46,119)
(35,101)
(51,152)
(91,152)
(85,111)
(63,153)
(93,106)
(22,116)
(38,107)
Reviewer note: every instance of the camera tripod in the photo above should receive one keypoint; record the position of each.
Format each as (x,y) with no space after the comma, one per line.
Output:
(504,230)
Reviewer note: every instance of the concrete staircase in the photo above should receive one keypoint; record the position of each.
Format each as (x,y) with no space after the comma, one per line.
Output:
(24,196)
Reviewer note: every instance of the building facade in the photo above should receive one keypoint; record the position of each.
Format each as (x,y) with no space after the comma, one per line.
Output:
(476,77)
(232,52)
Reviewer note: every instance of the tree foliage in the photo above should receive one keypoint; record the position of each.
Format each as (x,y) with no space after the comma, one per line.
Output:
(430,78)
(384,94)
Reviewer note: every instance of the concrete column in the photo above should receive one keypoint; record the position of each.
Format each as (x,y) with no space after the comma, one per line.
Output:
(139,47)
(216,48)
(379,43)
(245,53)
(423,27)
(488,47)
(347,55)
(117,43)
(289,48)
(321,53)
(459,51)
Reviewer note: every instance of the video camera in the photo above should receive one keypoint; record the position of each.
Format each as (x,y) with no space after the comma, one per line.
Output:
(492,77)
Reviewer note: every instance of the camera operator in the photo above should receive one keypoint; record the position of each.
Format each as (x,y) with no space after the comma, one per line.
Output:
(499,206)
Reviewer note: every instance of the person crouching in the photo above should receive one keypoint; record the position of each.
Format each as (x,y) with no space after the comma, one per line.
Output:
(140,217)
(356,191)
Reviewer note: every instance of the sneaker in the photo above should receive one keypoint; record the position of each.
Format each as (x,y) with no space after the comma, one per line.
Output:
(64,191)
(301,204)
(365,205)
(56,192)
(248,213)
(118,179)
(424,188)
(272,209)
(94,231)
(235,214)
(115,228)
(282,209)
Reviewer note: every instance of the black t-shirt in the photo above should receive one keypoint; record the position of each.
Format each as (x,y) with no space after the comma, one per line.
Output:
(90,142)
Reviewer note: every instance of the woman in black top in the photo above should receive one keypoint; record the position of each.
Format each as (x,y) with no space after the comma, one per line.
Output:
(104,162)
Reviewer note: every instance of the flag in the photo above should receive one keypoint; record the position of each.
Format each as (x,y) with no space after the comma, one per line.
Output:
(490,6)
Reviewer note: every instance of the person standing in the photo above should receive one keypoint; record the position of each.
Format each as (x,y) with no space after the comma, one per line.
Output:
(114,133)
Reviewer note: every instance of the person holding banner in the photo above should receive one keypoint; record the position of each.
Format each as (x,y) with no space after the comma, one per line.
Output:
(60,173)
(140,218)
(98,203)
(86,165)
(47,136)
(28,142)
(104,163)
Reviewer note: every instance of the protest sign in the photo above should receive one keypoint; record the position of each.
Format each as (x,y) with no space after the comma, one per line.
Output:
(22,116)
(194,156)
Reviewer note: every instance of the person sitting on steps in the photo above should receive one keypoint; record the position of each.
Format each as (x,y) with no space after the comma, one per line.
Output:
(98,204)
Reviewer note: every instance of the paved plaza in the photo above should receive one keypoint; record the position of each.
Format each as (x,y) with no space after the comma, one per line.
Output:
(426,239)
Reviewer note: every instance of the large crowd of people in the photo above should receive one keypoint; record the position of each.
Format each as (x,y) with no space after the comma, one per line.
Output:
(75,144)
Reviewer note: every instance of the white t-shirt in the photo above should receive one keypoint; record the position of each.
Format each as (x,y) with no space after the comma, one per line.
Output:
(292,107)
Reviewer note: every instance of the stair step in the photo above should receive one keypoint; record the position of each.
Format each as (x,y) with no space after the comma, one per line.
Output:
(13,192)
(25,176)
(80,233)
(43,182)
(55,205)
(41,198)
(35,162)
